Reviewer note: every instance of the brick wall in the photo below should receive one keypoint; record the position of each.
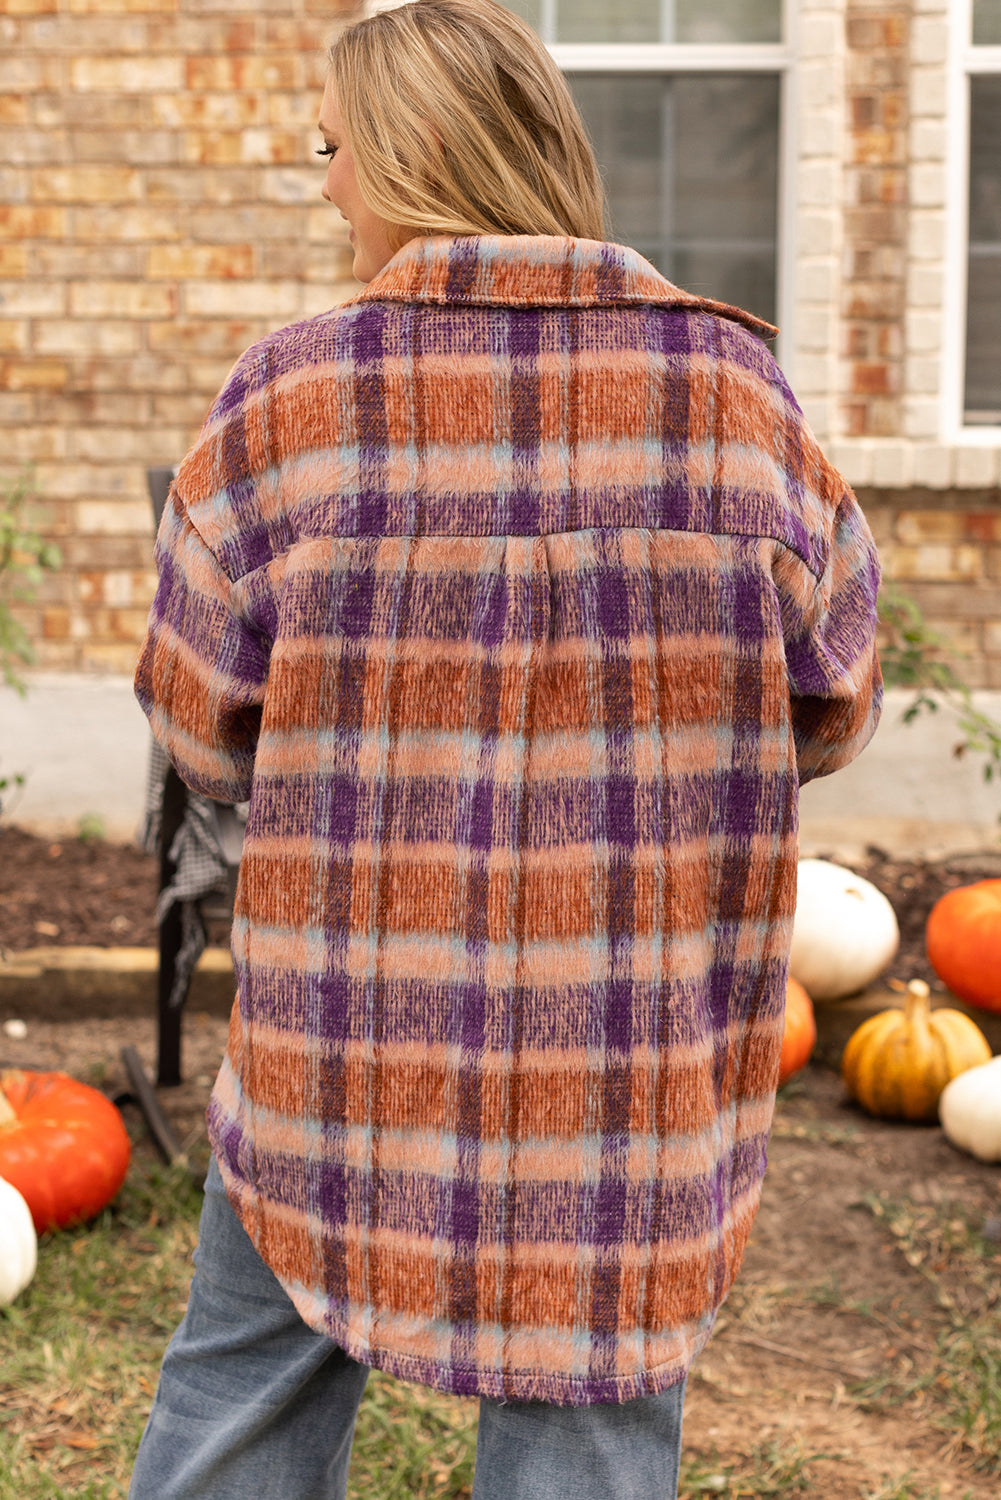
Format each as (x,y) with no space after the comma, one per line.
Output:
(943,548)
(935,509)
(927,447)
(876,216)
(159,209)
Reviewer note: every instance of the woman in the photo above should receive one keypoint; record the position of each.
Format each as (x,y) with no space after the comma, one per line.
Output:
(517,598)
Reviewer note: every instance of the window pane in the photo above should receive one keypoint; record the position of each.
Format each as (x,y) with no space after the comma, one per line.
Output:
(690,164)
(727,21)
(601,21)
(987,23)
(529,10)
(983,324)
(669,20)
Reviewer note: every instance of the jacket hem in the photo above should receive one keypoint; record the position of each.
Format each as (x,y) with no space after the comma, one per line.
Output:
(501,1385)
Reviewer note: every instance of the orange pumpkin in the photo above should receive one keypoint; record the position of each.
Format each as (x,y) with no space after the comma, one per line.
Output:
(799,1036)
(963,939)
(62,1145)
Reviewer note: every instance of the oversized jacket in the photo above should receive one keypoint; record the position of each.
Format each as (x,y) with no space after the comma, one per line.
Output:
(518,599)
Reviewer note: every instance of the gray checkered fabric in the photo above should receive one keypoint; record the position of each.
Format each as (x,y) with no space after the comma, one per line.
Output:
(205,848)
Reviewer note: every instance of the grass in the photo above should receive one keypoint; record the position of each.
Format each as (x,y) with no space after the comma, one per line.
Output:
(412,1444)
(904,1489)
(81,1348)
(777,1469)
(958,1382)
(80,1351)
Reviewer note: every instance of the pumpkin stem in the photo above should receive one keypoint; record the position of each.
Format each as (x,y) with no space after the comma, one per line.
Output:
(7,1115)
(917,1005)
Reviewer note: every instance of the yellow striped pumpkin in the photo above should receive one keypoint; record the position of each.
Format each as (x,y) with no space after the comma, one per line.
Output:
(898,1062)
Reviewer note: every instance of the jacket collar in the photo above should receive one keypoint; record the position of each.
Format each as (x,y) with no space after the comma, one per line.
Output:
(534,271)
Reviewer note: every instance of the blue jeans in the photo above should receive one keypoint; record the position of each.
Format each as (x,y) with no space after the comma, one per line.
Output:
(253,1403)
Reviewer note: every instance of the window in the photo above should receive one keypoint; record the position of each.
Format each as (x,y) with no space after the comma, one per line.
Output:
(982,385)
(684,101)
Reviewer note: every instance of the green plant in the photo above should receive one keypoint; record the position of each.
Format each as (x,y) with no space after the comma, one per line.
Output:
(914,656)
(16,781)
(90,828)
(24,557)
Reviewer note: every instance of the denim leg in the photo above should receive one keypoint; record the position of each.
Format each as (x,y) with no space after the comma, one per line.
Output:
(526,1450)
(251,1402)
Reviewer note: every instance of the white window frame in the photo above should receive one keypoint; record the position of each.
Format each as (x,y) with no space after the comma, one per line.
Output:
(967,61)
(683,57)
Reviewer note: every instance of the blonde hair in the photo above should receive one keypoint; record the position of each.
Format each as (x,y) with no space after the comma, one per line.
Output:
(459,122)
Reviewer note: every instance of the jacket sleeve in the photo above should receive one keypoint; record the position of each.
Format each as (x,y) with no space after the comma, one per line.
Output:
(835,681)
(204,664)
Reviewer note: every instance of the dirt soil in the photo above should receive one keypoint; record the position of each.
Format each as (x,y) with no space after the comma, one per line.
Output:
(831,1305)
(70,891)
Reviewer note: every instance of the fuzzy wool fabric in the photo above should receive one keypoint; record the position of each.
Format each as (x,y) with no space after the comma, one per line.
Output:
(518,599)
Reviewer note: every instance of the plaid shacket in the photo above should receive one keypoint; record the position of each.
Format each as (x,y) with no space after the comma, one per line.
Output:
(518,599)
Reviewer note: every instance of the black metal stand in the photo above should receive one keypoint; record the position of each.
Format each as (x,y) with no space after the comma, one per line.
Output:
(144,1095)
(168,1071)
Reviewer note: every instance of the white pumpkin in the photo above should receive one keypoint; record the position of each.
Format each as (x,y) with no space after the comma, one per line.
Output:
(18,1243)
(845,931)
(970,1110)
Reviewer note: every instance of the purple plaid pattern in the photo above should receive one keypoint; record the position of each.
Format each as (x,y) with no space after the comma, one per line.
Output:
(518,599)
